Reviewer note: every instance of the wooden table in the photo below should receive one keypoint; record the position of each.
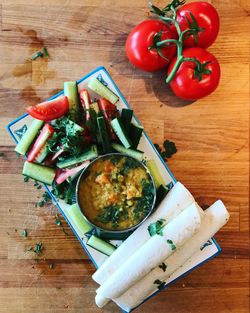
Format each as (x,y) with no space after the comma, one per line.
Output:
(211,136)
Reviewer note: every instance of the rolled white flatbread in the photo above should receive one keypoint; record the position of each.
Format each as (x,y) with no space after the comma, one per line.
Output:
(215,217)
(175,202)
(153,252)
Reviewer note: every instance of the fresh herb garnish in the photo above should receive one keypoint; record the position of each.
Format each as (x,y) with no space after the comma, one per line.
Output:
(128,165)
(58,220)
(144,203)
(111,213)
(156,228)
(65,191)
(172,245)
(26,179)
(168,149)
(163,266)
(45,52)
(160,284)
(24,233)
(45,199)
(37,249)
(36,55)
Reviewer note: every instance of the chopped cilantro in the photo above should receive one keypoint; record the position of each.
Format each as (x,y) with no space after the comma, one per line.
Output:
(168,149)
(156,228)
(24,233)
(38,248)
(36,55)
(26,179)
(58,221)
(110,213)
(45,52)
(65,191)
(172,245)
(163,266)
(160,284)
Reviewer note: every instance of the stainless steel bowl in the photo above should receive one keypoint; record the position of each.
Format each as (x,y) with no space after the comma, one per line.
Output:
(107,233)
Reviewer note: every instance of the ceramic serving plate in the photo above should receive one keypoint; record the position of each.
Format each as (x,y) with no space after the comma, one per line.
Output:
(17,128)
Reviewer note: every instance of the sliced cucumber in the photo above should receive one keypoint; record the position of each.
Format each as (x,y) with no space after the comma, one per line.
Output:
(102,90)
(95,107)
(76,215)
(28,137)
(135,134)
(71,91)
(120,132)
(153,169)
(161,193)
(101,245)
(87,155)
(39,172)
(42,154)
(126,117)
(103,133)
(133,153)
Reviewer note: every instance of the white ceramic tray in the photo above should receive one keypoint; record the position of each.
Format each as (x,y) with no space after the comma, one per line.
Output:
(16,129)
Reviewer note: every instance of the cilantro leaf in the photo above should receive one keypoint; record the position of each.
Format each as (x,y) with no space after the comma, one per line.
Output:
(156,228)
(161,284)
(163,266)
(172,245)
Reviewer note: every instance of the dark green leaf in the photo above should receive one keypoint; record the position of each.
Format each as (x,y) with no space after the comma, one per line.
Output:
(160,284)
(170,148)
(26,179)
(156,228)
(36,55)
(45,52)
(172,245)
(24,233)
(163,266)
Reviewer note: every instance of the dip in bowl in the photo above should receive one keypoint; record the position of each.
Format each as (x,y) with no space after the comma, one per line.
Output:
(115,193)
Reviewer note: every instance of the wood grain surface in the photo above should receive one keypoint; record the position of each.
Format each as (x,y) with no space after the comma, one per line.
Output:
(211,136)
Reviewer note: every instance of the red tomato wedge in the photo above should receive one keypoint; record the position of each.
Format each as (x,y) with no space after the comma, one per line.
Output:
(46,132)
(49,110)
(109,112)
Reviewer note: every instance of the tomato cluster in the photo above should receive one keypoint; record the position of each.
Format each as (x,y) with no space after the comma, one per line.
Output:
(177,40)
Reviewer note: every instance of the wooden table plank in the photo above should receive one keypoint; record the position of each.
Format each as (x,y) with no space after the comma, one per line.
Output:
(212,137)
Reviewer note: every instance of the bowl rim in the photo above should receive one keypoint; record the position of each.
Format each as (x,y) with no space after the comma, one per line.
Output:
(119,231)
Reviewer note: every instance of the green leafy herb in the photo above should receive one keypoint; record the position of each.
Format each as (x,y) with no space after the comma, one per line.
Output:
(110,213)
(26,179)
(36,55)
(45,52)
(168,149)
(156,228)
(65,191)
(37,249)
(160,284)
(163,266)
(45,199)
(58,221)
(129,164)
(24,233)
(172,245)
(144,203)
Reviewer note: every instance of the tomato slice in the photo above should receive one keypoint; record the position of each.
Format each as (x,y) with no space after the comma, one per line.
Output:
(49,110)
(46,132)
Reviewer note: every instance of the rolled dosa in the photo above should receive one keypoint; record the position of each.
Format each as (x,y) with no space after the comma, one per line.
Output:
(153,252)
(214,218)
(175,202)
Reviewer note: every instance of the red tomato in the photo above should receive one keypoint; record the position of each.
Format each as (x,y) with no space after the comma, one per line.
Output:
(141,39)
(206,17)
(109,112)
(49,110)
(188,87)
(46,132)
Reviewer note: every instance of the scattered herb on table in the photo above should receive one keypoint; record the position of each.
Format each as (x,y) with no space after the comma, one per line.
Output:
(45,199)
(168,149)
(45,52)
(26,179)
(156,228)
(65,191)
(37,249)
(58,220)
(172,245)
(160,284)
(24,233)
(36,55)
(163,266)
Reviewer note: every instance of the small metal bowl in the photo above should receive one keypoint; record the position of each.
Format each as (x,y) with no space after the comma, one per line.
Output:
(107,233)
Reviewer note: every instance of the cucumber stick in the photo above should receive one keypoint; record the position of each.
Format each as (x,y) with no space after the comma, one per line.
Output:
(135,134)
(102,90)
(103,133)
(28,137)
(42,154)
(120,132)
(87,155)
(126,117)
(71,91)
(39,172)
(153,169)
(101,245)
(76,216)
(133,153)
